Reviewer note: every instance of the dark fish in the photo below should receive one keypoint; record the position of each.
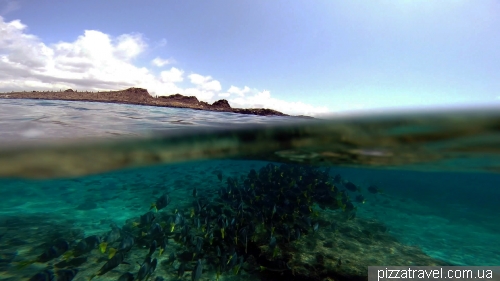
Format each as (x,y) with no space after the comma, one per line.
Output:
(337,179)
(73,262)
(196,273)
(219,176)
(163,245)
(158,278)
(127,276)
(152,248)
(87,244)
(46,275)
(195,192)
(145,269)
(374,189)
(66,274)
(155,230)
(315,227)
(360,199)
(126,244)
(59,248)
(272,243)
(181,270)
(297,233)
(351,186)
(113,235)
(154,263)
(199,244)
(147,218)
(115,261)
(171,258)
(233,260)
(161,202)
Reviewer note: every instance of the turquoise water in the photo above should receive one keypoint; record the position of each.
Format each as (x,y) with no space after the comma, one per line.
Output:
(435,201)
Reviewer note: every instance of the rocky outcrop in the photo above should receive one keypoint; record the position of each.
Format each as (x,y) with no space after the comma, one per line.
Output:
(140,96)
(221,104)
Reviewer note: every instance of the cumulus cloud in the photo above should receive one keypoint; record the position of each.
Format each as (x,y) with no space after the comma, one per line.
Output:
(253,98)
(173,75)
(161,62)
(205,88)
(99,61)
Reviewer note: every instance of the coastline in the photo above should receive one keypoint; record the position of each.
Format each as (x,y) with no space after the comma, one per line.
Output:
(140,96)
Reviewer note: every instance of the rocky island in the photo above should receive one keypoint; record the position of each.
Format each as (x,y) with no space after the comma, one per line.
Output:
(140,96)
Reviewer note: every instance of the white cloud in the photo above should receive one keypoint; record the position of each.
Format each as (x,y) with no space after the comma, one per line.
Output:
(98,61)
(161,62)
(172,76)
(206,88)
(252,98)
(237,91)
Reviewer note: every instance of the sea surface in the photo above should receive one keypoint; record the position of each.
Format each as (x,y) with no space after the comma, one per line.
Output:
(96,190)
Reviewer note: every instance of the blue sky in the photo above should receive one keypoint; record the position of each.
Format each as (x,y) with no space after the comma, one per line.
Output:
(299,57)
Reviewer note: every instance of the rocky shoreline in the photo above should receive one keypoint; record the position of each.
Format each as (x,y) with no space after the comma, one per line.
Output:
(140,96)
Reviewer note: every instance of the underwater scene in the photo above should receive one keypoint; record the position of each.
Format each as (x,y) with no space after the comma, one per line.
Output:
(255,199)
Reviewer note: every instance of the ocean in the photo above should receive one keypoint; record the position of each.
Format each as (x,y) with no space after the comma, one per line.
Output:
(95,190)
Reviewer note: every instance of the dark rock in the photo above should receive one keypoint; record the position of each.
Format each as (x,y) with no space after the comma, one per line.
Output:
(179,97)
(221,104)
(141,96)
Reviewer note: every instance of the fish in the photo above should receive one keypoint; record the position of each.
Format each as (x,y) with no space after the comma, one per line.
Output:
(337,179)
(66,274)
(155,230)
(272,243)
(199,244)
(163,245)
(113,235)
(315,227)
(171,258)
(161,203)
(197,271)
(152,248)
(111,253)
(360,199)
(73,262)
(374,189)
(147,219)
(46,275)
(351,186)
(181,270)
(195,192)
(127,276)
(219,176)
(145,269)
(110,264)
(126,244)
(59,247)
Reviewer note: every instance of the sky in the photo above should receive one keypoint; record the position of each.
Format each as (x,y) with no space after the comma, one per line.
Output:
(299,57)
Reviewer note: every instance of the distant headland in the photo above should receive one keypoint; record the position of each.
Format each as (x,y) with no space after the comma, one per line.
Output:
(140,96)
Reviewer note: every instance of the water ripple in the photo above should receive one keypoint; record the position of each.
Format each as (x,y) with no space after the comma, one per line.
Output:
(33,120)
